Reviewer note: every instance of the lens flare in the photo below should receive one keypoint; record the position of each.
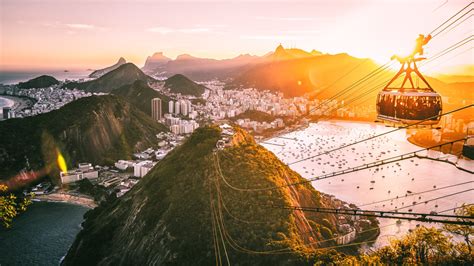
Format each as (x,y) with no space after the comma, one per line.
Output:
(61,162)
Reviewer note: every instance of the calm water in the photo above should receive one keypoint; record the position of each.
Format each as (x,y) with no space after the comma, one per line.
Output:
(13,77)
(388,181)
(42,235)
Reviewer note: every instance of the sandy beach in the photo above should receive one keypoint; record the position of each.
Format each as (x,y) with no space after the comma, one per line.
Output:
(17,103)
(62,196)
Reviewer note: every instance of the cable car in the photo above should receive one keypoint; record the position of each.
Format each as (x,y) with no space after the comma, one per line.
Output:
(407,104)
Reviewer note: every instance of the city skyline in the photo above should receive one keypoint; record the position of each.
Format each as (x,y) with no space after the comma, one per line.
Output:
(91,38)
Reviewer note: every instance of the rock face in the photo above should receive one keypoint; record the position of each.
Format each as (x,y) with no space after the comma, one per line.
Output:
(100,72)
(140,94)
(123,75)
(181,84)
(43,81)
(174,213)
(154,62)
(96,129)
(195,67)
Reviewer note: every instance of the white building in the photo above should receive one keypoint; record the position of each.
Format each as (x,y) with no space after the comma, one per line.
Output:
(177,107)
(184,107)
(156,109)
(85,170)
(170,107)
(123,164)
(142,168)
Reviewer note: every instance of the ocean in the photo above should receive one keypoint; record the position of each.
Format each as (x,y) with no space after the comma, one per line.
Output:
(368,187)
(42,235)
(13,77)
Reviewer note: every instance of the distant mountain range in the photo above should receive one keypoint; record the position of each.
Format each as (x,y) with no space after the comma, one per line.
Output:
(206,68)
(198,69)
(294,72)
(96,129)
(154,62)
(43,81)
(120,80)
(167,218)
(99,73)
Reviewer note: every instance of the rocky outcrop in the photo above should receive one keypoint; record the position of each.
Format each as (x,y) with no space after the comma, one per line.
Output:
(100,72)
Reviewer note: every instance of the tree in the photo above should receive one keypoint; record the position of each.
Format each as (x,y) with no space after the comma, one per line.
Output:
(466,231)
(11,206)
(421,246)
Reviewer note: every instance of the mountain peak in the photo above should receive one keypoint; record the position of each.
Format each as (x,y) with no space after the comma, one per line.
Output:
(121,61)
(158,56)
(155,61)
(100,72)
(185,57)
(122,75)
(279,48)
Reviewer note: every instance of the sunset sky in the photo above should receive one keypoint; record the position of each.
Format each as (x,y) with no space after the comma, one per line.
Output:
(79,34)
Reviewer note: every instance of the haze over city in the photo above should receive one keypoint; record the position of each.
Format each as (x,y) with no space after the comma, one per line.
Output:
(56,34)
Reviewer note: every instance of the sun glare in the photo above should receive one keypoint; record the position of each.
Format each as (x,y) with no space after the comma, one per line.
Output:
(61,161)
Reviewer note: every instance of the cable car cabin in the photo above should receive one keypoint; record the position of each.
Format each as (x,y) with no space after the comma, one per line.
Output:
(408,107)
(409,103)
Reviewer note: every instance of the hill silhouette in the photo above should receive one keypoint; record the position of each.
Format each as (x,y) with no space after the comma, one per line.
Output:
(123,75)
(181,84)
(43,81)
(154,62)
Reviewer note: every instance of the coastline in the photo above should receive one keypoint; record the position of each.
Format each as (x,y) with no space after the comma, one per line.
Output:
(76,199)
(303,126)
(18,103)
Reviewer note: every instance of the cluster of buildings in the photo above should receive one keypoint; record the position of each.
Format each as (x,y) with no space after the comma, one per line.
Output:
(84,171)
(259,127)
(180,126)
(221,104)
(125,173)
(182,107)
(47,99)
(458,125)
(225,104)
(180,118)
(349,227)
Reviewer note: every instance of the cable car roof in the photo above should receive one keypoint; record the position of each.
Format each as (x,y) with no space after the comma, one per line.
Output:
(396,92)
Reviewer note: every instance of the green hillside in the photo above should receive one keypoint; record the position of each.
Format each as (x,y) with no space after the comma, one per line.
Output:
(181,84)
(166,218)
(140,94)
(43,81)
(96,129)
(123,75)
